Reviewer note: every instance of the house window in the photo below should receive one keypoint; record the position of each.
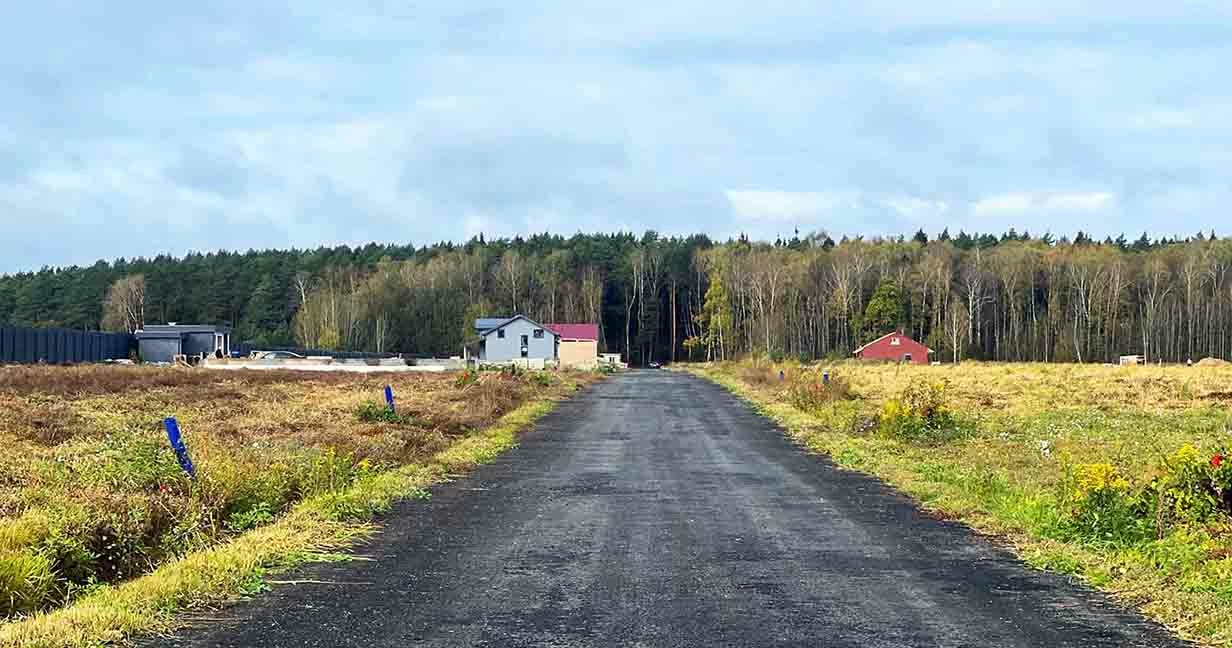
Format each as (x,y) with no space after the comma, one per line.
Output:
(894,342)
(501,334)
(538,334)
(906,357)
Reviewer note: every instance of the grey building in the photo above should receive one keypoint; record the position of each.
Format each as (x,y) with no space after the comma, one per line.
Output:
(162,342)
(504,339)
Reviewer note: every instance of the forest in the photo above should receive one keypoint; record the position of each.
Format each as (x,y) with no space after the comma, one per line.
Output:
(993,297)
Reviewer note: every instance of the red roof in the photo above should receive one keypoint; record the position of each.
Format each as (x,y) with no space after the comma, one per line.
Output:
(575,331)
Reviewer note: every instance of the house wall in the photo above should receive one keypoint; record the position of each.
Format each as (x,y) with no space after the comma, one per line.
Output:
(158,349)
(510,348)
(198,343)
(579,353)
(885,349)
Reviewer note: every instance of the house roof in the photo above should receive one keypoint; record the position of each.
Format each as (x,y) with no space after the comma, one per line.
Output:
(185,328)
(164,331)
(488,323)
(868,344)
(503,323)
(579,331)
(158,335)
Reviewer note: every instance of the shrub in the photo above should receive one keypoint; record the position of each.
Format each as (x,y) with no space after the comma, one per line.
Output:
(920,413)
(374,412)
(1193,487)
(1103,506)
(605,369)
(759,374)
(808,392)
(252,518)
(542,378)
(465,377)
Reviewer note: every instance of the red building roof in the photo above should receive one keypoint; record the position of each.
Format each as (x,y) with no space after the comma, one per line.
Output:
(575,331)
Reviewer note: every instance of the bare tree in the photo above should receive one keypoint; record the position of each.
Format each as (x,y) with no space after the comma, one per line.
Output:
(124,306)
(510,277)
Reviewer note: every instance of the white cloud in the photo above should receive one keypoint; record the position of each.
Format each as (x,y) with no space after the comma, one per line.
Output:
(1012,202)
(918,210)
(1092,201)
(790,206)
(1022,202)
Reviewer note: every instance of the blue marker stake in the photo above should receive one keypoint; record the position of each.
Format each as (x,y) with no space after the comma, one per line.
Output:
(389,398)
(177,444)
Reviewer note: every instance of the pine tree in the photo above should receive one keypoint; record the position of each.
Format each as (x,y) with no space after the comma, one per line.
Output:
(884,312)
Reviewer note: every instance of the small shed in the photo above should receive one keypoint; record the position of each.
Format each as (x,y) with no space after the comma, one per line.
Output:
(1133,360)
(579,344)
(163,342)
(894,347)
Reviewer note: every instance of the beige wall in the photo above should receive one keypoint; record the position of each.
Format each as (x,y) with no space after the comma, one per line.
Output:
(578,353)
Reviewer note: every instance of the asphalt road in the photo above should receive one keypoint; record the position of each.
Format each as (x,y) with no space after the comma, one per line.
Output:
(655,509)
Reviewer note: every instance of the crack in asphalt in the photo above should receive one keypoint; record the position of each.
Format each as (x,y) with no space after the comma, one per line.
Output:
(655,509)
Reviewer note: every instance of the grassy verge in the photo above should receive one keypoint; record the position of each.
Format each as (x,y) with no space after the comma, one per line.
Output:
(1096,472)
(314,529)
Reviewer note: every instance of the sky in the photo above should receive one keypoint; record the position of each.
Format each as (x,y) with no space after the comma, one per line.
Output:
(139,128)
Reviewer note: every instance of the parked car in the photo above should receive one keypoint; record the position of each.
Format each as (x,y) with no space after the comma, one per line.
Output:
(654,365)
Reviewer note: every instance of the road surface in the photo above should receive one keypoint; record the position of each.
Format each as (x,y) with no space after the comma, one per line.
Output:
(655,509)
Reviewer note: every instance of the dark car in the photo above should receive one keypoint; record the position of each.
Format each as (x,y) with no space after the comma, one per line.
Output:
(654,365)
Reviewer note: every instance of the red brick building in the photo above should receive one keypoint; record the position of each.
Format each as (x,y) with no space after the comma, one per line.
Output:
(894,347)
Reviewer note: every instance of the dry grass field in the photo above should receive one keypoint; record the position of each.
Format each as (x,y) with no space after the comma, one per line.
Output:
(1113,474)
(91,495)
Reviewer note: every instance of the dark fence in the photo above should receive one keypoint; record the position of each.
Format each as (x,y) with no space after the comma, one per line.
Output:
(57,346)
(246,348)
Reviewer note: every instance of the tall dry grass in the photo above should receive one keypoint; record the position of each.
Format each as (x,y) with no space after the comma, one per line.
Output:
(90,492)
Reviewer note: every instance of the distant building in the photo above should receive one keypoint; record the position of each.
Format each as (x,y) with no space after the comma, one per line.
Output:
(163,342)
(507,340)
(894,347)
(579,344)
(1133,360)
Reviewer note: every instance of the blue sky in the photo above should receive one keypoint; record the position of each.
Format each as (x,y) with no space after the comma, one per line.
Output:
(135,128)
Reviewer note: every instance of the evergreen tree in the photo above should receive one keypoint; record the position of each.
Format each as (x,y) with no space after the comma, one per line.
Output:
(885,312)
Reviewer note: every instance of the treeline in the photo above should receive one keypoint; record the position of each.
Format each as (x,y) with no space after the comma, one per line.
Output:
(1002,297)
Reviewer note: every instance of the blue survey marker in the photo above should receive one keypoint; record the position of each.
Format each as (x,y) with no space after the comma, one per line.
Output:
(177,444)
(389,398)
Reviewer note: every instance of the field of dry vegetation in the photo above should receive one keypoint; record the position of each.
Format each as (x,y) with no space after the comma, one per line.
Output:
(91,495)
(1117,475)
